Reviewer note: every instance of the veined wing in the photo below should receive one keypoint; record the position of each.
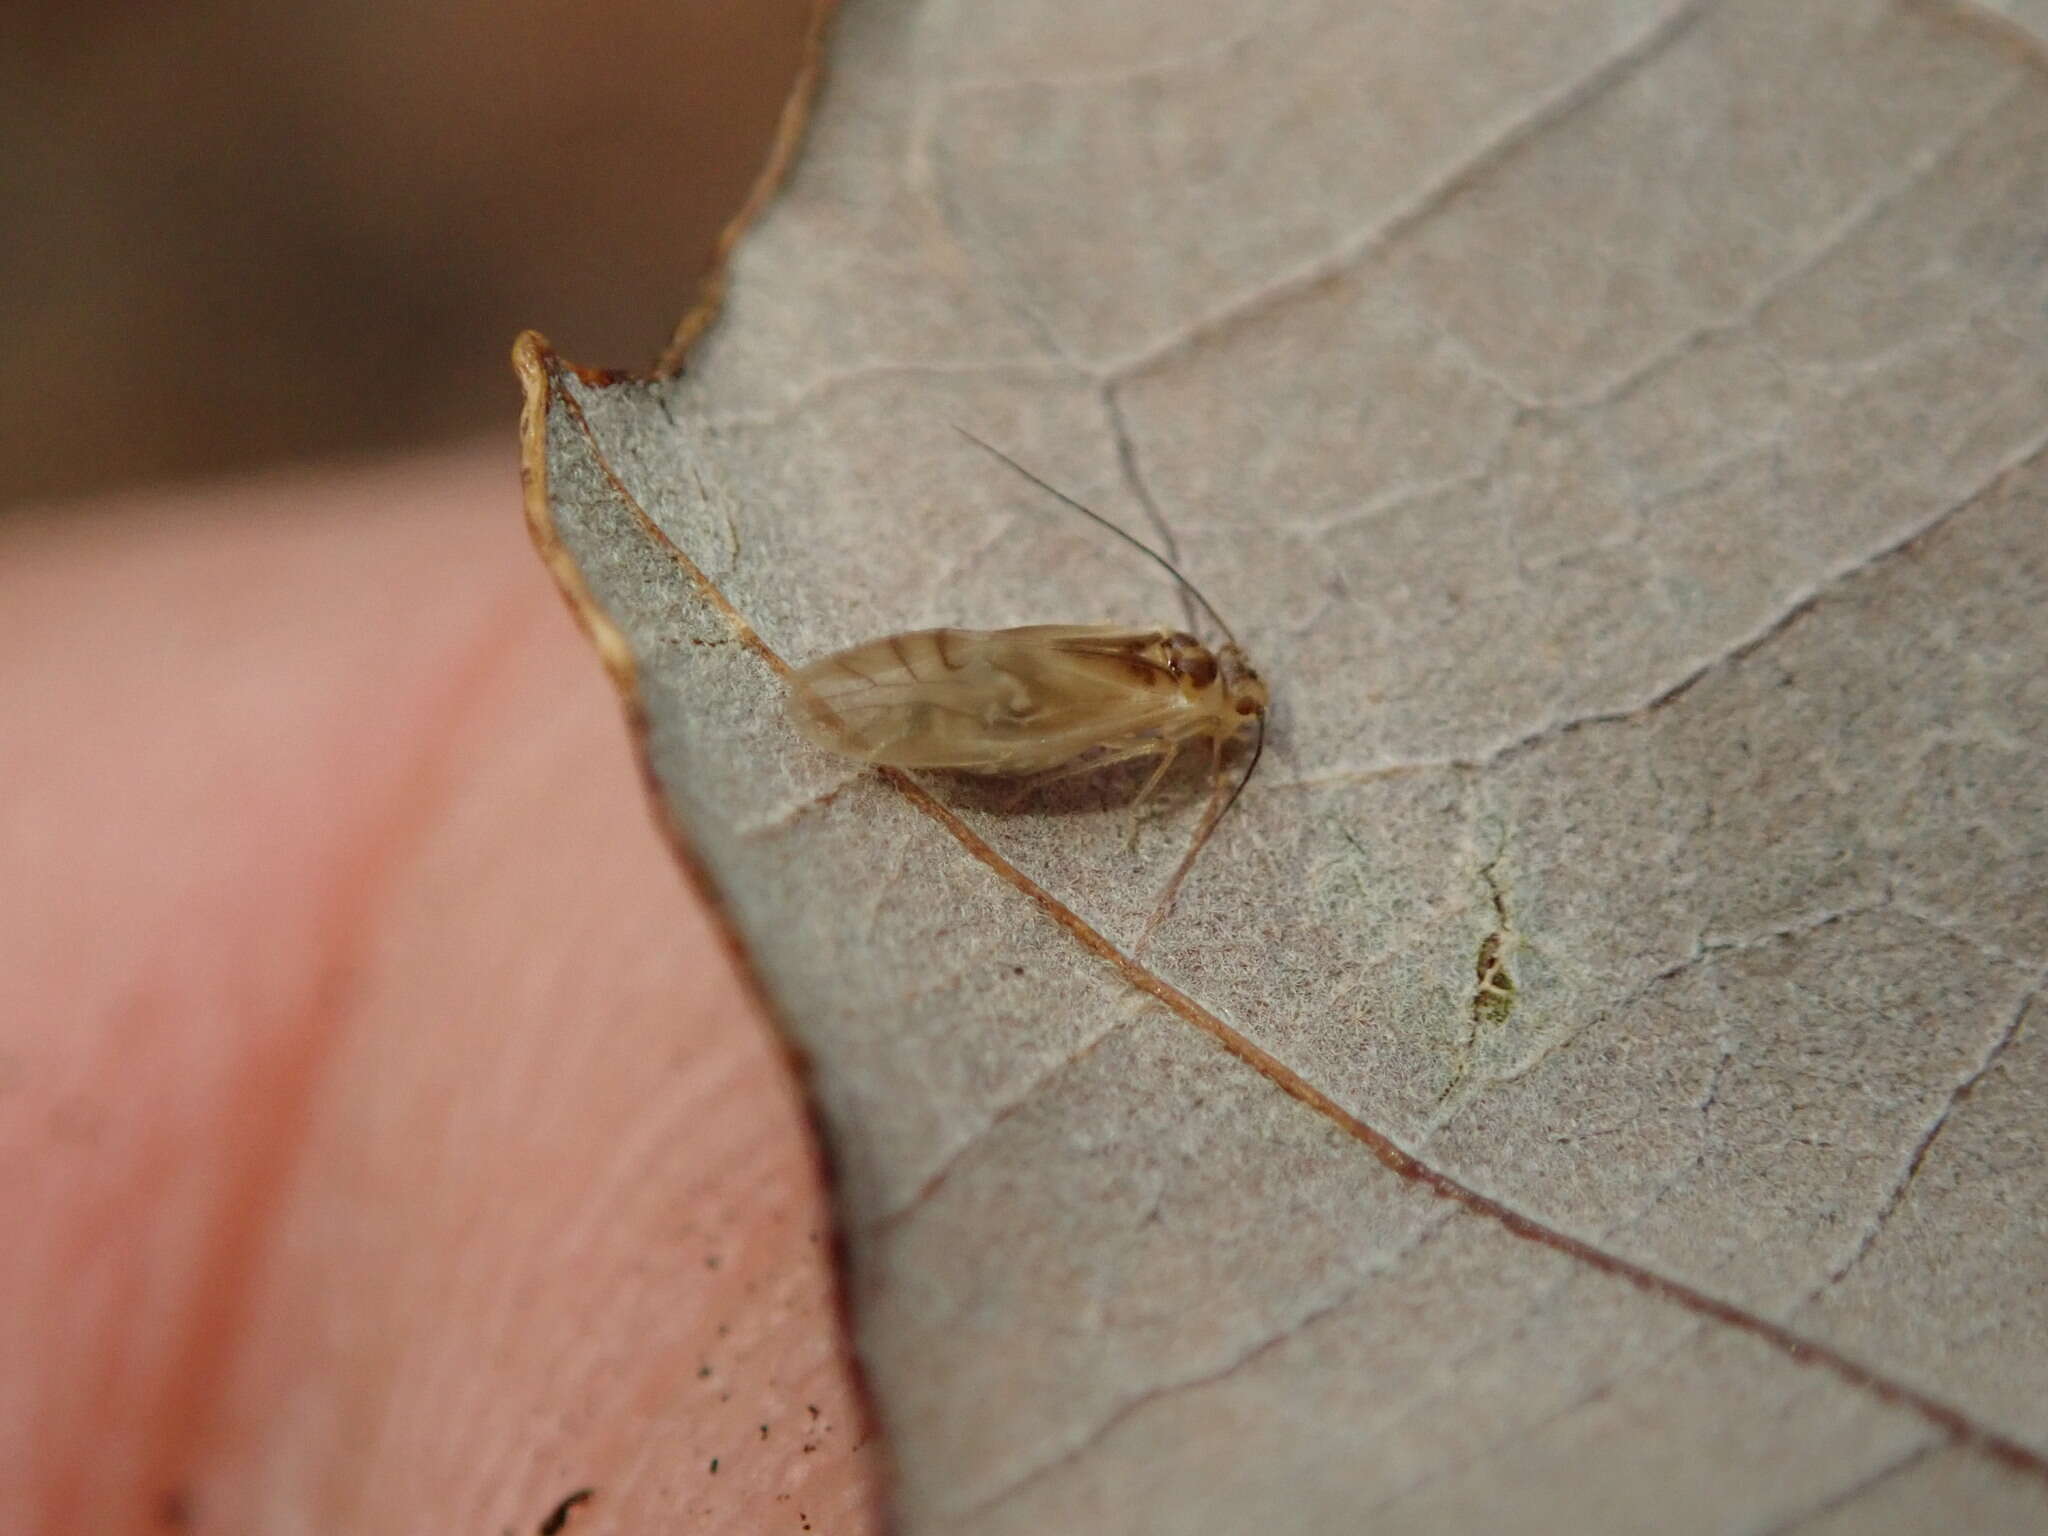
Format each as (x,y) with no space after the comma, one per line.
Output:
(990,700)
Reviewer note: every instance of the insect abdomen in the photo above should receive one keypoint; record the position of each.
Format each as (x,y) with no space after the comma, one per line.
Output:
(927,698)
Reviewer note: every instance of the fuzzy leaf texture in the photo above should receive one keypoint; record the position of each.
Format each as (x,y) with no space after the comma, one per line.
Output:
(1597,1077)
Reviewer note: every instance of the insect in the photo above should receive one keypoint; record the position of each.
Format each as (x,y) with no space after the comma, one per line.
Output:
(1043,699)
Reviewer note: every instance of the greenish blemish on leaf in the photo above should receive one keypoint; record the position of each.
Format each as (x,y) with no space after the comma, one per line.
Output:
(1493,999)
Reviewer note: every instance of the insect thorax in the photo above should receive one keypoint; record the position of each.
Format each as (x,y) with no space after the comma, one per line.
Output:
(1220,684)
(1192,662)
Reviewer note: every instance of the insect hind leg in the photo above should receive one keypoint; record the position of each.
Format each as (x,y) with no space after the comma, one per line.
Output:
(1168,752)
(1130,754)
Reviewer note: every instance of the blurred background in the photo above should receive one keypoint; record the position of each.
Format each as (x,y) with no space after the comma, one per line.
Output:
(236,234)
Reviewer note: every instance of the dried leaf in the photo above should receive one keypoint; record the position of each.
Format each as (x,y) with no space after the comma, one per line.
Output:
(1597,1080)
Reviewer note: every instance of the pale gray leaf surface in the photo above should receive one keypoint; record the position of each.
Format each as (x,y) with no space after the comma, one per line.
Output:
(1596,1079)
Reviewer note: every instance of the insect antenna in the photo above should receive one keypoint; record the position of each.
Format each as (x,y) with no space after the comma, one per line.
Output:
(1213,819)
(1258,751)
(1131,539)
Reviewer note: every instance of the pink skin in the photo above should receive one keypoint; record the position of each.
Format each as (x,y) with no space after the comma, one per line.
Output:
(389,1145)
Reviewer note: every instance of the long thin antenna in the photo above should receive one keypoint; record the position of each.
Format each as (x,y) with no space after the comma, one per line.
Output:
(1129,538)
(1258,751)
(1209,822)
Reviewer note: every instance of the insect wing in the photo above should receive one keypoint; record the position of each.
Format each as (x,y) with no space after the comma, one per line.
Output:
(996,701)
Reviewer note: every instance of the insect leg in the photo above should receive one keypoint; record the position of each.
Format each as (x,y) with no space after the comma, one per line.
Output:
(1145,791)
(1150,747)
(1217,806)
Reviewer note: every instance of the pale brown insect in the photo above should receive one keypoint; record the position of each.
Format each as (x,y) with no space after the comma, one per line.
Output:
(1044,699)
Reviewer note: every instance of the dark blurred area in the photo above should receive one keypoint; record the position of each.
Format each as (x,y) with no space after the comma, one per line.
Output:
(233,234)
